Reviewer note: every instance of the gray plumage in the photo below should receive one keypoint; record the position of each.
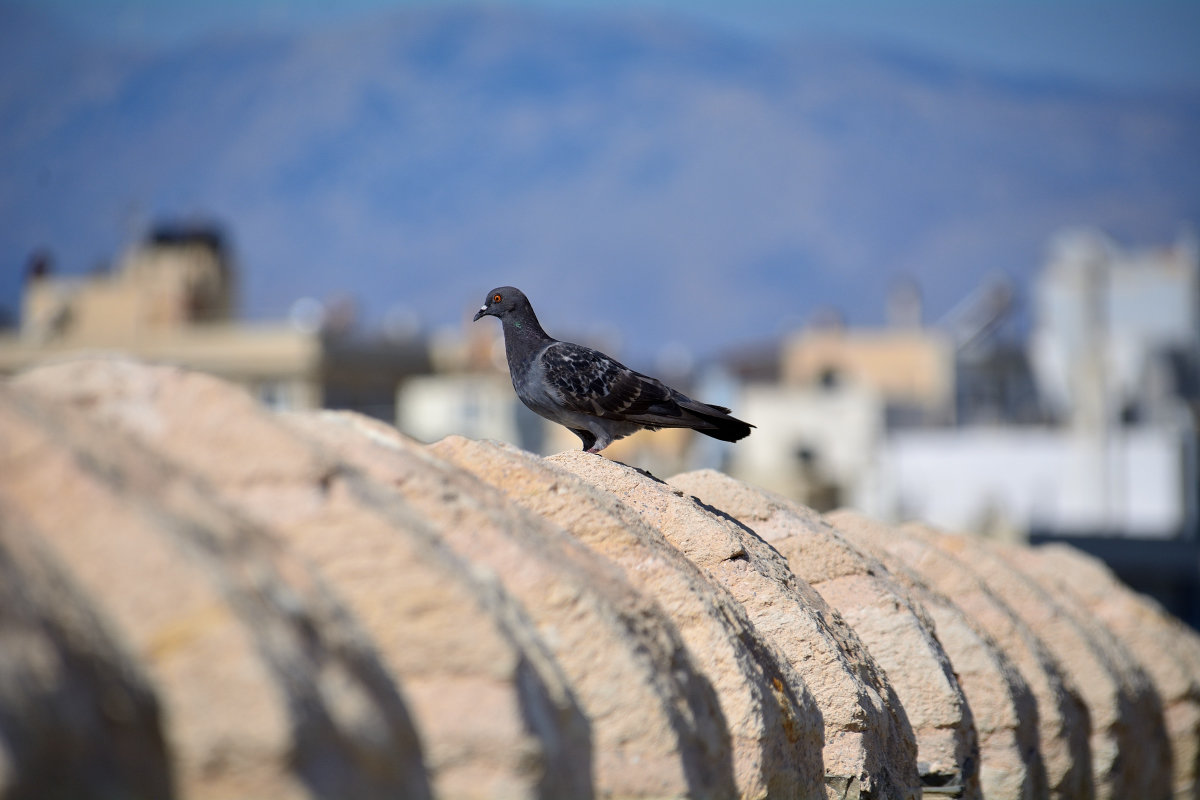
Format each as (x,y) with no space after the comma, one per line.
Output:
(596,397)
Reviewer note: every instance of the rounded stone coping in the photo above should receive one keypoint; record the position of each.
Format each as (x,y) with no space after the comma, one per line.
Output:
(774,723)
(869,744)
(267,687)
(1130,754)
(1063,726)
(493,712)
(655,724)
(456,618)
(895,629)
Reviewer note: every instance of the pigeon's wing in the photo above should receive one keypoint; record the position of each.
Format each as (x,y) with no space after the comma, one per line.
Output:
(588,382)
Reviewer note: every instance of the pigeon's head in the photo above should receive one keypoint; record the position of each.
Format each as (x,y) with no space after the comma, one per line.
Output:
(500,302)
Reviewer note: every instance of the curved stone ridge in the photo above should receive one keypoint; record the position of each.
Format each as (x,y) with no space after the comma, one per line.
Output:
(895,628)
(202,598)
(774,724)
(1173,651)
(267,687)
(869,744)
(78,712)
(662,734)
(1063,727)
(1129,751)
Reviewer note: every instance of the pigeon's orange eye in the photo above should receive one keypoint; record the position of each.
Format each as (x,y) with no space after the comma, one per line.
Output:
(495,298)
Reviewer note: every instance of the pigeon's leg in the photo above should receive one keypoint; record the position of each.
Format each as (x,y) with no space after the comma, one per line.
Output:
(600,440)
(588,438)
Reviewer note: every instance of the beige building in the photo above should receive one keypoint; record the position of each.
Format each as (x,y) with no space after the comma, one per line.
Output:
(911,368)
(171,299)
(839,392)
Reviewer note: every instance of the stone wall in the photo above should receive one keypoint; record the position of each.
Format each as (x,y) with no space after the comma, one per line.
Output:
(200,598)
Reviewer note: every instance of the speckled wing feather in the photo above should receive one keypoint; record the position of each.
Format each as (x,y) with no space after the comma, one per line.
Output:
(590,382)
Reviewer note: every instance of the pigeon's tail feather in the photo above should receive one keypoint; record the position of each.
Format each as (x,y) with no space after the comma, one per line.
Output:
(715,421)
(727,429)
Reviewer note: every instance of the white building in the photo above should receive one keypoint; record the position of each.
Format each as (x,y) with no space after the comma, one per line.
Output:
(1109,326)
(1016,480)
(478,405)
(815,443)
(1104,317)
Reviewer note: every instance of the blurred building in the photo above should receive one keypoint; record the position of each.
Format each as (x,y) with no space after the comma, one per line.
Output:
(478,405)
(171,300)
(1112,358)
(838,392)
(1117,332)
(911,370)
(816,440)
(1084,429)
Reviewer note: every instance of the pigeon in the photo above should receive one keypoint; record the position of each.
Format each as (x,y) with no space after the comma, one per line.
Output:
(593,395)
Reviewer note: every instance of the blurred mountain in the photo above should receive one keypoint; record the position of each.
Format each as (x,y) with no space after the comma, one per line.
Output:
(672,181)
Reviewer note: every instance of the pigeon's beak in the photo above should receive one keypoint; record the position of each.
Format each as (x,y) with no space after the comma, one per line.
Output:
(480,313)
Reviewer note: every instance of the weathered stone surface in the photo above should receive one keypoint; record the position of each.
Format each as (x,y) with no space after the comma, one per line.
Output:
(1168,650)
(77,716)
(203,599)
(1063,728)
(1002,704)
(1130,756)
(657,728)
(895,629)
(266,688)
(869,745)
(774,725)
(492,710)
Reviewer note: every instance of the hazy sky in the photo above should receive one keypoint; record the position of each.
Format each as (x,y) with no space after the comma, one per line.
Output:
(1127,43)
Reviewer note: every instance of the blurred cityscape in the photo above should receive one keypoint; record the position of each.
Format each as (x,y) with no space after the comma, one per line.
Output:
(1070,414)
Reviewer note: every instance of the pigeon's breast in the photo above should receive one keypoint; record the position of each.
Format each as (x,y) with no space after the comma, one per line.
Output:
(530,384)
